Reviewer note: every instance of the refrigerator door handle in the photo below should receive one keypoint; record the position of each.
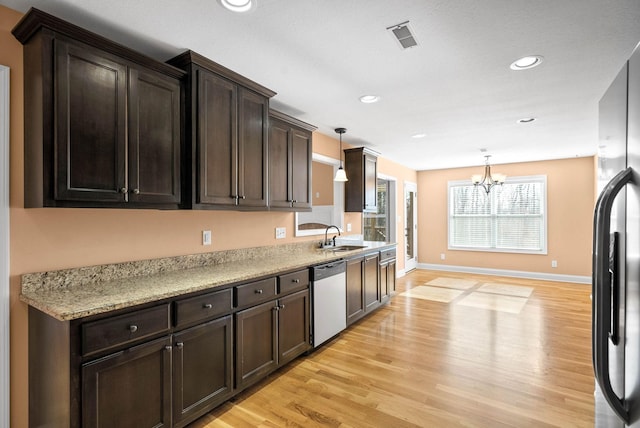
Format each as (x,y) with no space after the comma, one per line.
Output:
(601,292)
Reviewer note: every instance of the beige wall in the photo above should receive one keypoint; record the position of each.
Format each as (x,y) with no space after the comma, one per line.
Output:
(570,202)
(322,184)
(47,239)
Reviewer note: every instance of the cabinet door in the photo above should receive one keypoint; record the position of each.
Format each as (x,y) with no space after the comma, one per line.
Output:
(370,184)
(202,369)
(256,343)
(217,155)
(253,111)
(154,138)
(131,388)
(384,282)
(371,283)
(301,169)
(355,290)
(90,125)
(391,278)
(293,326)
(279,165)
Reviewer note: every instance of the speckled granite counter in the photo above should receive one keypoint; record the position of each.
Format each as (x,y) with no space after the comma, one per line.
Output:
(75,293)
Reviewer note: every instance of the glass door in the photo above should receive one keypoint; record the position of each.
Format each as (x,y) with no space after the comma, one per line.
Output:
(410,226)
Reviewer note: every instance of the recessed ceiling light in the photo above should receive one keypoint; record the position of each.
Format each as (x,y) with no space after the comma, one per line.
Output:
(238,5)
(419,135)
(526,62)
(527,120)
(369,99)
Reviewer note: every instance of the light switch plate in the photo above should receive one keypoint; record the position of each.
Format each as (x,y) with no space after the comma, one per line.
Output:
(348,227)
(206,237)
(281,232)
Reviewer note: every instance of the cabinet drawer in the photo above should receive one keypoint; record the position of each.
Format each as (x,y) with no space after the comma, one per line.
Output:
(255,292)
(293,281)
(118,330)
(387,254)
(203,307)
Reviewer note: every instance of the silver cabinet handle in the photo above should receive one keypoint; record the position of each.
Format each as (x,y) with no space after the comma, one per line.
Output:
(180,345)
(123,190)
(207,306)
(133,328)
(136,191)
(259,291)
(295,280)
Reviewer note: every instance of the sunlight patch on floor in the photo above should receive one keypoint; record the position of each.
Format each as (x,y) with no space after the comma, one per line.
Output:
(491,296)
(494,302)
(437,294)
(461,284)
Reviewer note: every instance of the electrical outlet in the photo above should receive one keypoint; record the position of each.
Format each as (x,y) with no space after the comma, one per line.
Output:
(348,227)
(554,263)
(442,256)
(206,237)
(281,232)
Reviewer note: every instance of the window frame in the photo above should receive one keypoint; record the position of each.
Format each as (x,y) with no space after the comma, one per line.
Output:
(493,216)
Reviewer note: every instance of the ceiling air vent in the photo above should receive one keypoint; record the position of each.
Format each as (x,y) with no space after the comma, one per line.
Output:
(403,34)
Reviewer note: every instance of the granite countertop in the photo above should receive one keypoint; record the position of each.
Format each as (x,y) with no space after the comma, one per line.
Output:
(76,293)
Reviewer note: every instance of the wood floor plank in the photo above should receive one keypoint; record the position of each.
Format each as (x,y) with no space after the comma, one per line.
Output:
(422,363)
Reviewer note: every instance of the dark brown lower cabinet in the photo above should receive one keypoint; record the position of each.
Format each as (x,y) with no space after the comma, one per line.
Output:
(130,388)
(371,283)
(355,290)
(293,326)
(270,335)
(256,347)
(387,279)
(202,369)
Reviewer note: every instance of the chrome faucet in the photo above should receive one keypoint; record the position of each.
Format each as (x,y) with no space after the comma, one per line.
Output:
(326,242)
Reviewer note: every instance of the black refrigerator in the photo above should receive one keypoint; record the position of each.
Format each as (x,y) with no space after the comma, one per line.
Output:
(616,254)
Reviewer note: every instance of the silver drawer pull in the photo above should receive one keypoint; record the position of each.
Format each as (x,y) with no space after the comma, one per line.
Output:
(133,328)
(259,291)
(207,306)
(295,280)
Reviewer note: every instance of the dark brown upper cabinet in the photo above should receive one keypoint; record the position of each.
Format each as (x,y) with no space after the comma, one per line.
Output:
(226,133)
(290,153)
(360,195)
(102,122)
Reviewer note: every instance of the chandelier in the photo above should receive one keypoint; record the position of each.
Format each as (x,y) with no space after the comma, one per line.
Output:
(487,181)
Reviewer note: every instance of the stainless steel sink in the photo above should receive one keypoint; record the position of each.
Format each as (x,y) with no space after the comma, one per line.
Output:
(346,248)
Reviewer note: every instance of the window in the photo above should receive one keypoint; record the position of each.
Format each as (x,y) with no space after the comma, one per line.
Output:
(376,225)
(379,226)
(511,218)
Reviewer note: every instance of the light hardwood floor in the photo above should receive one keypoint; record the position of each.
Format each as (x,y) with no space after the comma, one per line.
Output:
(426,363)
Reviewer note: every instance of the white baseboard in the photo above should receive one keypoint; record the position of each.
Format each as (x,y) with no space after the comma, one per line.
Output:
(513,273)
(400,273)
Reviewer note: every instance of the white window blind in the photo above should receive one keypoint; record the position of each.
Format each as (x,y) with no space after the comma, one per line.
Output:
(511,218)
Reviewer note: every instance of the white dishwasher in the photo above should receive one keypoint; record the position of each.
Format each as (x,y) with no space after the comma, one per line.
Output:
(329,296)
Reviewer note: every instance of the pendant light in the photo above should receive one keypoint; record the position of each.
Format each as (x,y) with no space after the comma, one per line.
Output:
(341,175)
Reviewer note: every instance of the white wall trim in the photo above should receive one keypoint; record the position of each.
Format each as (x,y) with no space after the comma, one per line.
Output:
(4,248)
(513,273)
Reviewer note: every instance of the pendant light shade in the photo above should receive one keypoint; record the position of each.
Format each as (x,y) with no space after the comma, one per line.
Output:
(341,175)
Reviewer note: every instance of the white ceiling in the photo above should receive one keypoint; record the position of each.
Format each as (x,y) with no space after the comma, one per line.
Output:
(320,56)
